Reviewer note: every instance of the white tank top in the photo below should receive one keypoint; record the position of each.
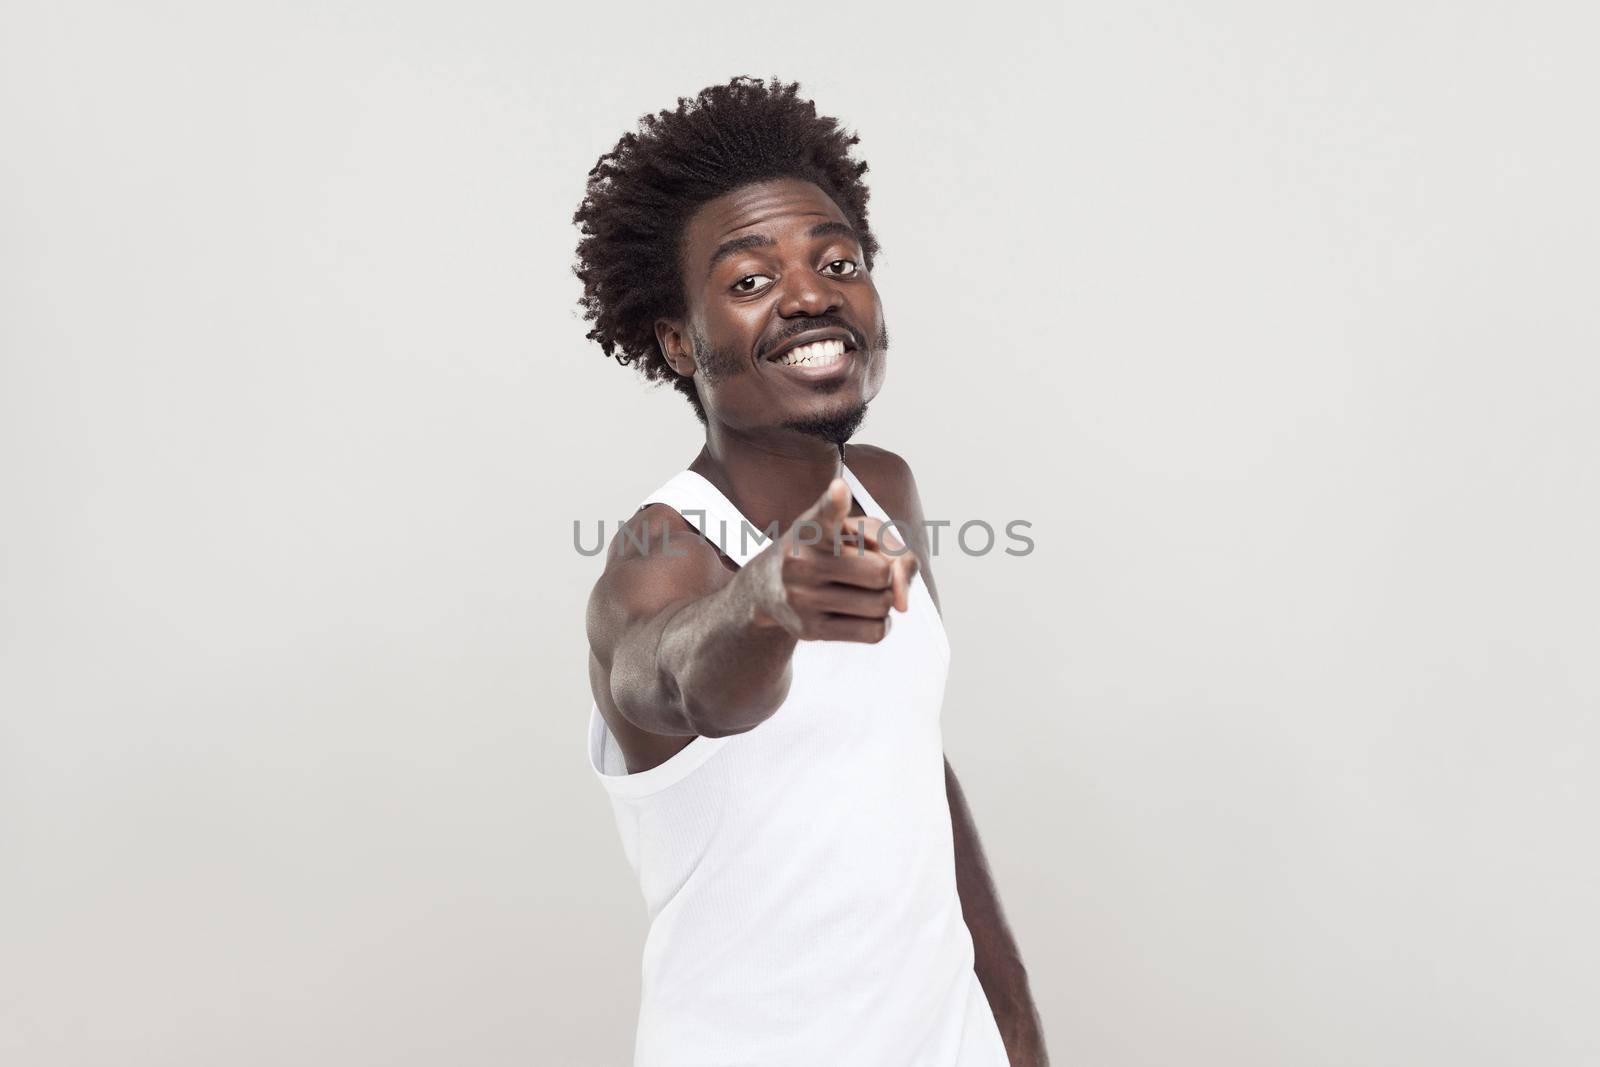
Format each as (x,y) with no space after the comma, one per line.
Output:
(800,877)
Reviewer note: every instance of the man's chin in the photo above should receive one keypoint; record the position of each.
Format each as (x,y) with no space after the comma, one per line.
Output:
(836,424)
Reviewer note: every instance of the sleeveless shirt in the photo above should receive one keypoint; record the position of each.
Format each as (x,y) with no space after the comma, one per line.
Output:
(799,877)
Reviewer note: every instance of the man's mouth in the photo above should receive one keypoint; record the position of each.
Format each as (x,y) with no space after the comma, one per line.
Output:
(816,354)
(816,350)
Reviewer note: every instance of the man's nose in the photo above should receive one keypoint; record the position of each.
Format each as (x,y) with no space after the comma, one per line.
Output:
(807,293)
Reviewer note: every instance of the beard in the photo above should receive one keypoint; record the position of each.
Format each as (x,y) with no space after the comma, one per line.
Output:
(835,427)
(717,364)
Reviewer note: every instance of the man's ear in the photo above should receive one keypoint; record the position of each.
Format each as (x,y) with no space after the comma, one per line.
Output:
(674,342)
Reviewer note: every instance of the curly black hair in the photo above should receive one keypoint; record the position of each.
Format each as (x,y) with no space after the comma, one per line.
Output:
(641,194)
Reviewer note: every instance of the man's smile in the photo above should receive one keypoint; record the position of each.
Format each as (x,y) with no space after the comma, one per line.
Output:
(816,355)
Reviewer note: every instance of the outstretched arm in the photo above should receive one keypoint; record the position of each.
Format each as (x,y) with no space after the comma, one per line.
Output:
(998,963)
(681,649)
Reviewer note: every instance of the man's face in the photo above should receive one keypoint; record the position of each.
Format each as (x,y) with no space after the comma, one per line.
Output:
(769,269)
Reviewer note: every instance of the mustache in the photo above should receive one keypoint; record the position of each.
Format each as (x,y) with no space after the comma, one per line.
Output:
(817,322)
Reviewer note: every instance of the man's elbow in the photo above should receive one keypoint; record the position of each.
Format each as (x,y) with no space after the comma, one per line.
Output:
(727,714)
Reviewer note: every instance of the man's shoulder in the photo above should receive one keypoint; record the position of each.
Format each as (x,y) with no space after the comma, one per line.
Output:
(875,463)
(874,456)
(655,558)
(887,476)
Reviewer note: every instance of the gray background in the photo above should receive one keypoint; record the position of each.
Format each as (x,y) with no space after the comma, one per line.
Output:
(1276,320)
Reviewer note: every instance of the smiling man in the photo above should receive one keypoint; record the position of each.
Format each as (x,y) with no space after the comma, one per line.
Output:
(767,656)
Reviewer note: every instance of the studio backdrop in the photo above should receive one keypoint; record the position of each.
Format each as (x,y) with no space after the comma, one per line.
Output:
(1274,323)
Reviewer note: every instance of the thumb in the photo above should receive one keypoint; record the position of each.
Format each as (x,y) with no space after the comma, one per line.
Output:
(831,508)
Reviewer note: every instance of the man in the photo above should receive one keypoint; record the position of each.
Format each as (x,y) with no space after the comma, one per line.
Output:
(767,657)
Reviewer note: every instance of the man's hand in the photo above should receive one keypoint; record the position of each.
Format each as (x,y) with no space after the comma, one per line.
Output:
(830,577)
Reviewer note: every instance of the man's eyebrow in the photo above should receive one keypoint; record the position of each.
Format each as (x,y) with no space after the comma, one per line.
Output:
(823,229)
(738,244)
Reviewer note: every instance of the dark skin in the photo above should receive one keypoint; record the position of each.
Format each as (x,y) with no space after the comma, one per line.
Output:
(685,643)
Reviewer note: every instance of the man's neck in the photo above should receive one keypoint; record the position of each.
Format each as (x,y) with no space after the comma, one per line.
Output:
(770,476)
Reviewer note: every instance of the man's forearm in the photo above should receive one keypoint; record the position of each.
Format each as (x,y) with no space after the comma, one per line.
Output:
(730,667)
(997,960)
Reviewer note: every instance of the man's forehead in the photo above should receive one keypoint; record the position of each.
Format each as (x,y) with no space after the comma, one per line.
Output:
(764,204)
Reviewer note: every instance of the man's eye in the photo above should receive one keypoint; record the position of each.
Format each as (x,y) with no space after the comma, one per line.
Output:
(750,283)
(848,265)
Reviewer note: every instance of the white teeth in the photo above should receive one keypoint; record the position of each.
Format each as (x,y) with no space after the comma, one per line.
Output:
(815,354)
